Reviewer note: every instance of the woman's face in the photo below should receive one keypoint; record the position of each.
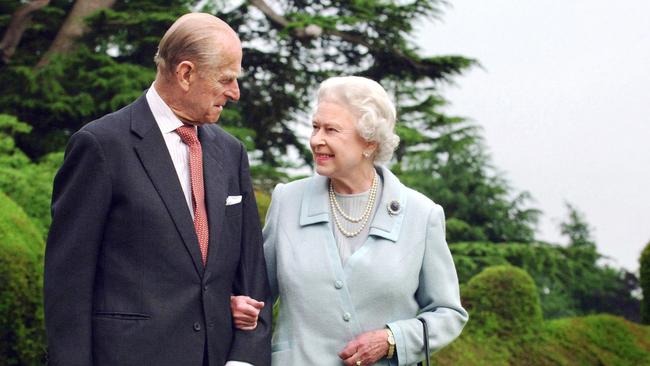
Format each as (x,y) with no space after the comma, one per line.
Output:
(335,143)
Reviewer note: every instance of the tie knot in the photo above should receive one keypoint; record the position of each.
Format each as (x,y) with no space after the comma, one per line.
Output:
(188,134)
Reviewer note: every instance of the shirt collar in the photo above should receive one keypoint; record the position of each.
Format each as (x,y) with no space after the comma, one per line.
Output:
(165,118)
(386,223)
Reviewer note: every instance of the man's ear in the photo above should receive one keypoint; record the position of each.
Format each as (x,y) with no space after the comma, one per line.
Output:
(185,74)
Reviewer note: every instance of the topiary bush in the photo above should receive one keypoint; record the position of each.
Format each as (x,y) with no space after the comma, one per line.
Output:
(569,283)
(644,279)
(503,301)
(22,334)
(27,183)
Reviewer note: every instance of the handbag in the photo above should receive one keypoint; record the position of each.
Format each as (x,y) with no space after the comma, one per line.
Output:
(425,337)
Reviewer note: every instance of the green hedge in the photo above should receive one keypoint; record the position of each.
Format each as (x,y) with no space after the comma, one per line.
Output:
(22,335)
(30,186)
(568,281)
(27,183)
(503,300)
(506,328)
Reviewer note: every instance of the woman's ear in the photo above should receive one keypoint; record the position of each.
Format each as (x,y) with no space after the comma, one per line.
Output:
(370,149)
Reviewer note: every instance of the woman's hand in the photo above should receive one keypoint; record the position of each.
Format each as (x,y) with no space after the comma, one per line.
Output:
(245,312)
(367,347)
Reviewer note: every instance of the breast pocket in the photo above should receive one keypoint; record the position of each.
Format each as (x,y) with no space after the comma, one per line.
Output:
(234,205)
(234,210)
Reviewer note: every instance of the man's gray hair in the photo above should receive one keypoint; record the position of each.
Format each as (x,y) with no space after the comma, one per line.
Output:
(369,102)
(193,37)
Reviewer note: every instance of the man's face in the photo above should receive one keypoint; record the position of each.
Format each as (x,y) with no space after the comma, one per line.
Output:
(212,88)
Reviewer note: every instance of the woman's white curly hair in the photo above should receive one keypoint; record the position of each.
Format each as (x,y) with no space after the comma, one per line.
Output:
(369,102)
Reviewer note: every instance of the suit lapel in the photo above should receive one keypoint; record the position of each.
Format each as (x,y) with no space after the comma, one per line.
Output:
(153,154)
(215,188)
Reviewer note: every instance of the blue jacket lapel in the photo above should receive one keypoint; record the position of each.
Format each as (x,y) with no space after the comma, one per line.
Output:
(215,188)
(153,154)
(386,224)
(314,207)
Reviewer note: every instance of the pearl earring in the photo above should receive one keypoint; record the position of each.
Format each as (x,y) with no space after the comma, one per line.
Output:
(366,154)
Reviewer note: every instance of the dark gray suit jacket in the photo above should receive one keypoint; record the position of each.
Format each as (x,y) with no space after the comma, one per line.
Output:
(124,281)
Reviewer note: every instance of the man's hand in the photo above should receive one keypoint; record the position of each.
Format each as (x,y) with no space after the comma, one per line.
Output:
(245,312)
(367,347)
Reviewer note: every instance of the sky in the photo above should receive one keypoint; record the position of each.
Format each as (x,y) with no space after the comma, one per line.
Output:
(563,98)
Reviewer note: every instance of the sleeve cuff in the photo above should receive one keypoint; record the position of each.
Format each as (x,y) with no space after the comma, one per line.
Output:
(400,351)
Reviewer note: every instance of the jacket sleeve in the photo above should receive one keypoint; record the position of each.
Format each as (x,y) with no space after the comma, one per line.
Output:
(270,240)
(438,296)
(81,200)
(251,278)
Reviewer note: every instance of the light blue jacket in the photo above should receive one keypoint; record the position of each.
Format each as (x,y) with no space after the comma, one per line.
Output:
(403,268)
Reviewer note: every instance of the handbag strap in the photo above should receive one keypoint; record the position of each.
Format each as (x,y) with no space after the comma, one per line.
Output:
(425,337)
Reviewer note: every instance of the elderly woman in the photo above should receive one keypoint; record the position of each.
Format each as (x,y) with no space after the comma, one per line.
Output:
(353,254)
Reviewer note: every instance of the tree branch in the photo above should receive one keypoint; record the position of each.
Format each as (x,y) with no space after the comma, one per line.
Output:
(73,27)
(270,13)
(20,20)
(313,31)
(302,33)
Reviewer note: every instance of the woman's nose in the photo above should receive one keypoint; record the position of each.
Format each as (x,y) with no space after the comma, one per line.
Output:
(317,139)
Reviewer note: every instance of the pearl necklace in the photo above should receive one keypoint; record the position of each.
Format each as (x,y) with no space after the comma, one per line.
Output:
(334,204)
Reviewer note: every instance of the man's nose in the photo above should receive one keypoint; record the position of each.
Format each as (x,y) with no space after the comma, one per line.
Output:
(233,91)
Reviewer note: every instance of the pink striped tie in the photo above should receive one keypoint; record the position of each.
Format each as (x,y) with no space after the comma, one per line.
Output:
(189,137)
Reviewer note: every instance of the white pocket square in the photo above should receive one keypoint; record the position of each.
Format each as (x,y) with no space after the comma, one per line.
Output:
(232,200)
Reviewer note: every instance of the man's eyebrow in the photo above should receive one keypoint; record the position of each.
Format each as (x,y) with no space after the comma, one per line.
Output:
(230,75)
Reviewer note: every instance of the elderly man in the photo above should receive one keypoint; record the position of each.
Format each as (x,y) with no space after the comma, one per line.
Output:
(155,223)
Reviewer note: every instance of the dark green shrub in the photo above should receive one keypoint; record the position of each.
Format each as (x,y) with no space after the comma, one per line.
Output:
(644,278)
(503,300)
(21,315)
(27,183)
(569,283)
(31,188)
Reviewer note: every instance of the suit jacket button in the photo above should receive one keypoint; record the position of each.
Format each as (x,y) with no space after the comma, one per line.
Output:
(197,326)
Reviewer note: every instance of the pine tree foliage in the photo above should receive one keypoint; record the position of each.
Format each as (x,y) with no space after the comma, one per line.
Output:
(644,277)
(290,46)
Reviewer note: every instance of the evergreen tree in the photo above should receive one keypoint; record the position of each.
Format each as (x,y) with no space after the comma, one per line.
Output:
(577,229)
(289,47)
(644,269)
(601,288)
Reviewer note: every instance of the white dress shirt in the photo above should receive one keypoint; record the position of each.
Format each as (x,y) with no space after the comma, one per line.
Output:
(179,152)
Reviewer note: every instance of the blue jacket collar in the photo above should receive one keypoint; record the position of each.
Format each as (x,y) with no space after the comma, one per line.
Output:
(387,222)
